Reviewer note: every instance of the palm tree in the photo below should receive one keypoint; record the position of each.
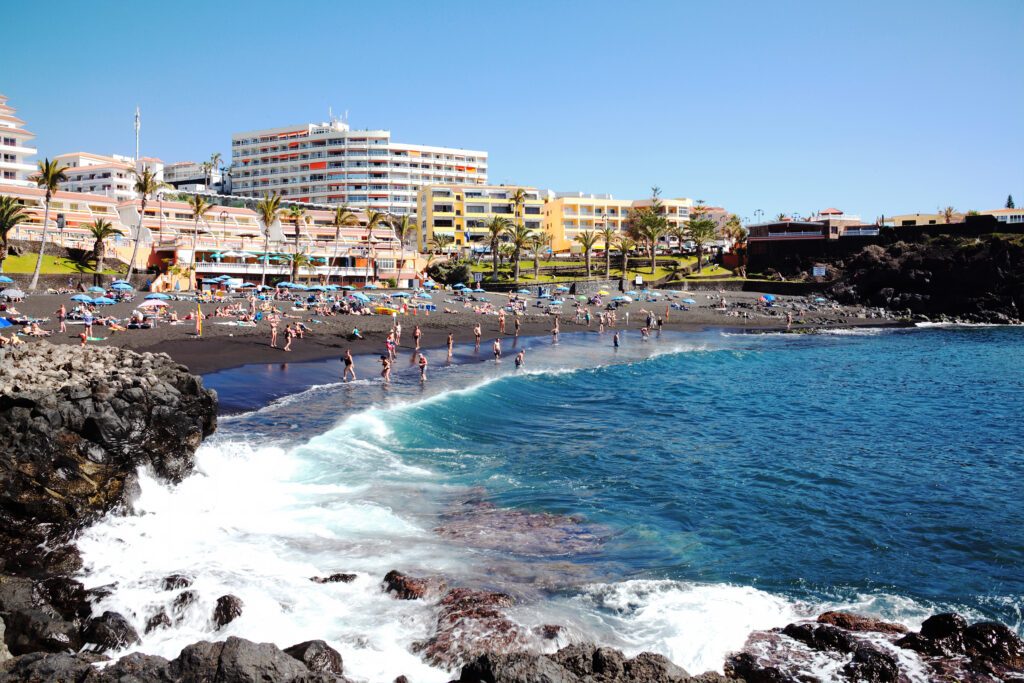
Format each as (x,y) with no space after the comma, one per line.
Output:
(440,242)
(948,214)
(781,217)
(402,227)
(300,261)
(12,214)
(48,177)
(268,210)
(297,214)
(101,230)
(374,219)
(214,162)
(679,232)
(519,238)
(146,185)
(518,201)
(587,240)
(496,229)
(538,241)
(607,234)
(343,217)
(701,230)
(626,244)
(200,207)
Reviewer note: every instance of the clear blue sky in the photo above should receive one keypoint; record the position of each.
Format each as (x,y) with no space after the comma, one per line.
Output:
(872,107)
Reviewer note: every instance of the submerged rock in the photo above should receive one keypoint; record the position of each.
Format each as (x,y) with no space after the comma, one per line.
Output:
(856,622)
(317,656)
(471,622)
(110,631)
(411,588)
(174,582)
(335,578)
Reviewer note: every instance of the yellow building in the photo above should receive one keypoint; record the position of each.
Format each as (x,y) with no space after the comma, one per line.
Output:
(568,213)
(463,211)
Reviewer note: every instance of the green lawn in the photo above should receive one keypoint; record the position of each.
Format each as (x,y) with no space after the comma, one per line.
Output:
(638,265)
(52,265)
(710,270)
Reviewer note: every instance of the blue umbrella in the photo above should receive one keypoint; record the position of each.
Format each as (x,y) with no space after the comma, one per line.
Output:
(400,295)
(371,286)
(478,290)
(118,282)
(348,288)
(157,295)
(103,301)
(689,301)
(5,280)
(562,288)
(522,291)
(362,297)
(4,322)
(820,300)
(85,298)
(424,295)
(631,292)
(315,288)
(244,285)
(98,290)
(768,297)
(557,302)
(458,285)
(122,286)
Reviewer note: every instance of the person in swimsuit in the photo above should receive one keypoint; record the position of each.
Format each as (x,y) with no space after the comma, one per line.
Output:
(289,335)
(273,331)
(349,366)
(416,334)
(517,324)
(476,335)
(554,332)
(496,347)
(615,340)
(451,345)
(385,372)
(62,316)
(520,357)
(423,368)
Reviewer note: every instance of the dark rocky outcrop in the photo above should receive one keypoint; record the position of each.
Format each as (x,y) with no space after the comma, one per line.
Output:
(76,424)
(578,664)
(864,649)
(109,631)
(317,656)
(336,578)
(405,587)
(470,623)
(229,608)
(974,279)
(175,582)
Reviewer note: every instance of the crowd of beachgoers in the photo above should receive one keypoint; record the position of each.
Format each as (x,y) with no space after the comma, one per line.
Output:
(293,322)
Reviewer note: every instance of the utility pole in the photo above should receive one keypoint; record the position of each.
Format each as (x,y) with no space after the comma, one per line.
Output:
(137,125)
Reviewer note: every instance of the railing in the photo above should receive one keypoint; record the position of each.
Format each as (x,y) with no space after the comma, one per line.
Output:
(801,233)
(278,269)
(860,232)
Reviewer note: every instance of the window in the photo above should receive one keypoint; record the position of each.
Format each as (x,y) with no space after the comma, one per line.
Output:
(532,210)
(476,208)
(443,223)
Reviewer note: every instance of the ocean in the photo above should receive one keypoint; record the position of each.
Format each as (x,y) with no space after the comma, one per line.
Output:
(671,495)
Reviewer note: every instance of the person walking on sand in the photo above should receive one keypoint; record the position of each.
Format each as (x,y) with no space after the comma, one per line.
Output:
(520,358)
(273,331)
(87,319)
(476,335)
(423,368)
(451,346)
(385,371)
(289,334)
(789,320)
(349,366)
(496,347)
(62,317)
(501,322)
(398,333)
(416,334)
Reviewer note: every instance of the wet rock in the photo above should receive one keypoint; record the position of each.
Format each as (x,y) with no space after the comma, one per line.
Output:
(318,656)
(469,623)
(175,581)
(336,578)
(110,631)
(856,622)
(229,608)
(5,654)
(822,637)
(158,620)
(994,643)
(548,631)
(401,679)
(67,596)
(746,666)
(870,665)
(411,588)
(181,604)
(37,667)
(941,635)
(133,668)
(235,660)
(519,667)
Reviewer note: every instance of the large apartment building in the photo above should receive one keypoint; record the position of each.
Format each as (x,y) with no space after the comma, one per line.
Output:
(15,154)
(463,211)
(110,175)
(566,214)
(333,164)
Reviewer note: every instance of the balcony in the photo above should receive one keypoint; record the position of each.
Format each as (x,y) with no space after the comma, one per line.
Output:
(256,269)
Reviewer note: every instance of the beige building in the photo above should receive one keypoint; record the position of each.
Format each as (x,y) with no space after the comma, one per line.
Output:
(566,214)
(463,211)
(914,219)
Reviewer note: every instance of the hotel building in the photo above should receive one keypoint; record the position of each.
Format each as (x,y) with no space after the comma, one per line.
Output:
(463,211)
(191,176)
(113,175)
(569,213)
(15,154)
(330,163)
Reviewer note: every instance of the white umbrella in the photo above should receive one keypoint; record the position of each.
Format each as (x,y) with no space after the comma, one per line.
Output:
(152,303)
(13,293)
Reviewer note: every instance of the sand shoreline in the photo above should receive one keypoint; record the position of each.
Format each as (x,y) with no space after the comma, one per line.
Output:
(224,347)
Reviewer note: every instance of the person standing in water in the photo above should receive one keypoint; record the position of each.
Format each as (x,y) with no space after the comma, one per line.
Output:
(385,371)
(451,346)
(517,324)
(520,358)
(554,332)
(423,368)
(789,320)
(615,340)
(476,335)
(416,334)
(349,366)
(496,347)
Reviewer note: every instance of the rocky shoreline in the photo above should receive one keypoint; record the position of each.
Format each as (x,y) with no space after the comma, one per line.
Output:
(78,423)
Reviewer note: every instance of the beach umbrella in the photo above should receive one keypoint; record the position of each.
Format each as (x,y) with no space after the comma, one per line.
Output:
(768,297)
(400,295)
(152,303)
(218,256)
(103,301)
(689,301)
(479,290)
(4,322)
(348,288)
(817,299)
(121,286)
(5,280)
(557,302)
(361,297)
(371,286)
(581,297)
(522,291)
(264,288)
(458,285)
(631,292)
(120,282)
(248,284)
(315,288)
(98,290)
(424,295)
(13,293)
(85,298)
(602,292)
(157,295)
(561,288)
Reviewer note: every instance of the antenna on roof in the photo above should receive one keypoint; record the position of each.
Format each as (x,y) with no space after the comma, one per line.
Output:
(346,117)
(138,124)
(330,113)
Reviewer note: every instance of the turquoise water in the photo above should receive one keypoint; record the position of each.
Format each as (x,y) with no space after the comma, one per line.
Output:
(671,495)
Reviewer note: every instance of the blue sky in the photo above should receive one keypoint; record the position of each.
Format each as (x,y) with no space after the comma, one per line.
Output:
(872,107)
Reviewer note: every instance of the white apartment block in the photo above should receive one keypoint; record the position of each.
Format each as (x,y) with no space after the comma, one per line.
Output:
(108,175)
(15,154)
(330,163)
(191,176)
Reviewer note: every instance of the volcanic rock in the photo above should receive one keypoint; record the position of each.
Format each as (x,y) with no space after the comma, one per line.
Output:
(871,665)
(856,622)
(158,620)
(33,624)
(229,608)
(470,623)
(336,578)
(109,631)
(317,656)
(822,637)
(235,660)
(175,581)
(405,587)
